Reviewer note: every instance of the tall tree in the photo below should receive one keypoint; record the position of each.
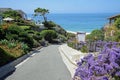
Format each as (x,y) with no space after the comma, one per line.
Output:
(41,12)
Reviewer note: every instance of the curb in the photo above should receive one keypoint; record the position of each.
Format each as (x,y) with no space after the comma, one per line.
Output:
(10,67)
(64,52)
(67,56)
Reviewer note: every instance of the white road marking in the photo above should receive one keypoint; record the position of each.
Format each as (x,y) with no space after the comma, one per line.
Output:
(21,63)
(24,61)
(32,55)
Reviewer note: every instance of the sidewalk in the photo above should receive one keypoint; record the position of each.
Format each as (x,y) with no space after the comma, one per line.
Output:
(70,57)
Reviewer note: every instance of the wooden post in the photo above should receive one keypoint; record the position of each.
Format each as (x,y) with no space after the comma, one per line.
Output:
(110,21)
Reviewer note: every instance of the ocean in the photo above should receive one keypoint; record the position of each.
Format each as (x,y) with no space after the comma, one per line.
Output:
(78,22)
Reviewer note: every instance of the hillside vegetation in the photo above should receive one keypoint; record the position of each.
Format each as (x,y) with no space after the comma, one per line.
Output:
(20,36)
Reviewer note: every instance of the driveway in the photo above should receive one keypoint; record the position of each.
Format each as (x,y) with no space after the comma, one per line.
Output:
(46,64)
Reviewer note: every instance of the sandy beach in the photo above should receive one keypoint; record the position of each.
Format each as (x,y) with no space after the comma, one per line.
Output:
(76,32)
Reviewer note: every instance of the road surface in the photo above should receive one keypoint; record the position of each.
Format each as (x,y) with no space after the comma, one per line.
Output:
(46,64)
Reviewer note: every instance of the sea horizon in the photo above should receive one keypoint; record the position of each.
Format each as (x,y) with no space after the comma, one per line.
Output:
(78,22)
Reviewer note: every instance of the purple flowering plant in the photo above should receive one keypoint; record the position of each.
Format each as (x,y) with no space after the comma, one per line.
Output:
(104,66)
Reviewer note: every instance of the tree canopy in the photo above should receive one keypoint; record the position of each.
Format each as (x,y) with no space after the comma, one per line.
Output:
(95,35)
(41,12)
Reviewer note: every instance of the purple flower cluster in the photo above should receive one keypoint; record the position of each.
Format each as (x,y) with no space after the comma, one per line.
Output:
(104,66)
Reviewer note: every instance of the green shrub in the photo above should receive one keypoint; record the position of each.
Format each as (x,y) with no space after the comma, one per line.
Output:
(37,37)
(23,37)
(48,35)
(116,37)
(13,14)
(62,38)
(30,31)
(71,44)
(117,23)
(112,38)
(84,49)
(24,47)
(25,27)
(12,45)
(27,39)
(12,36)
(89,37)
(15,48)
(59,30)
(70,35)
(36,44)
(95,35)
(49,24)
(14,29)
(2,33)
(4,42)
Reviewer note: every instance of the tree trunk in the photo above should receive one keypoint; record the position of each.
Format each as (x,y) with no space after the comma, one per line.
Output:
(45,19)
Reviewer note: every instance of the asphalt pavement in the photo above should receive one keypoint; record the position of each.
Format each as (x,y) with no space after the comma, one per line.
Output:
(46,64)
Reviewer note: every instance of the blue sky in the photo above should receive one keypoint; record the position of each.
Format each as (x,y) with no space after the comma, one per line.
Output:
(64,6)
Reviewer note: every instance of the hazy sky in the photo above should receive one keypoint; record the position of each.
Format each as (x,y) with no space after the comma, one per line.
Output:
(64,6)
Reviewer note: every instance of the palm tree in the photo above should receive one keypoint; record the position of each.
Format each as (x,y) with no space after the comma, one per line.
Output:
(41,12)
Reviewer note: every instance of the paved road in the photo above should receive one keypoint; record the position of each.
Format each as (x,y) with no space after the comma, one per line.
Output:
(47,64)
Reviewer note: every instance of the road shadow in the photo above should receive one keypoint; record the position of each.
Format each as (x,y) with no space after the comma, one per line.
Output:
(7,75)
(36,51)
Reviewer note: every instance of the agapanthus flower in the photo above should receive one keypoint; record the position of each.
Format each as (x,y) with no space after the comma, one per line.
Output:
(108,68)
(118,73)
(115,65)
